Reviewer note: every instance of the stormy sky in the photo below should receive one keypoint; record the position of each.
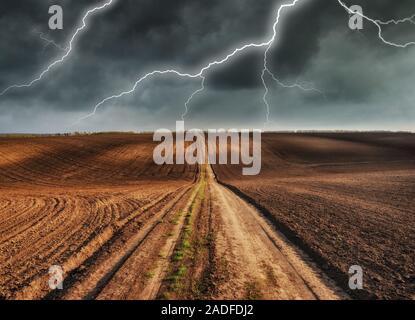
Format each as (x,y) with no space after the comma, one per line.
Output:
(366,84)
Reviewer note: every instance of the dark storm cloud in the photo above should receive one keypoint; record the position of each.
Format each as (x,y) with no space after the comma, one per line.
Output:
(303,30)
(133,37)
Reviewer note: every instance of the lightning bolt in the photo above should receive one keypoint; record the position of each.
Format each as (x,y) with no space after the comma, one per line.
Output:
(410,19)
(50,42)
(379,24)
(203,70)
(78,31)
(279,82)
(139,81)
(186,105)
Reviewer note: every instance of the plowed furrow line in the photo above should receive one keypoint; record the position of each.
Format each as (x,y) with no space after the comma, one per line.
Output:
(15,212)
(36,286)
(99,274)
(34,217)
(141,275)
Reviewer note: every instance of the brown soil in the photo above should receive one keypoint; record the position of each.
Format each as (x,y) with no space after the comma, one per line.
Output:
(124,228)
(346,199)
(71,200)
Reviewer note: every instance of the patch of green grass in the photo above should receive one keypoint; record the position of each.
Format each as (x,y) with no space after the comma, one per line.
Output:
(181,271)
(165,296)
(178,256)
(176,277)
(185,248)
(176,218)
(186,244)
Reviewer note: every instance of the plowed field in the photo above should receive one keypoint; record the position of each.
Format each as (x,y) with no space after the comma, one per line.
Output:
(345,199)
(122,227)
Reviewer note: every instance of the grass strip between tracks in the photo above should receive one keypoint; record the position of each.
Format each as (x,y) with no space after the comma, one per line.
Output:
(185,248)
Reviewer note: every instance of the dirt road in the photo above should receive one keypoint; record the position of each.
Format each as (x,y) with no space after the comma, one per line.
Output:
(261,261)
(204,243)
